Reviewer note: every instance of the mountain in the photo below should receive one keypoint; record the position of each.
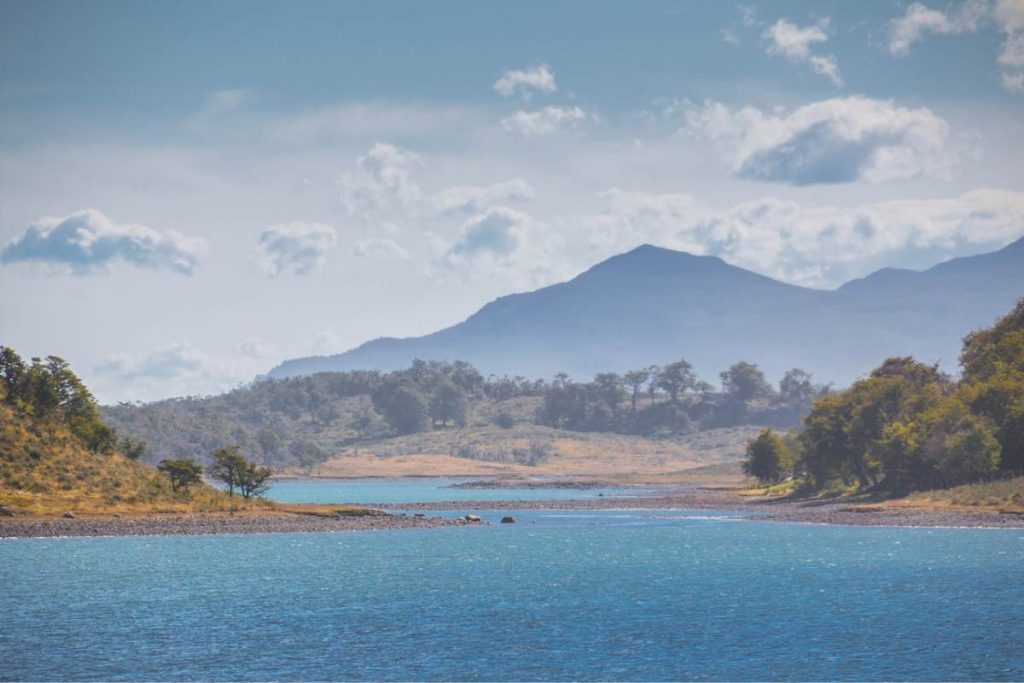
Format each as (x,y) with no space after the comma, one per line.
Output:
(654,305)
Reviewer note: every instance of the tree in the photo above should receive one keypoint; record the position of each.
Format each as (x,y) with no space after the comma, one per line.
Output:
(676,378)
(132,448)
(227,467)
(766,455)
(993,382)
(652,381)
(744,382)
(796,388)
(182,473)
(253,480)
(307,454)
(13,372)
(406,410)
(448,403)
(635,380)
(608,386)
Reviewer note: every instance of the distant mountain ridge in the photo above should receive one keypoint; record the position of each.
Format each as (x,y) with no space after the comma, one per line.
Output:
(655,305)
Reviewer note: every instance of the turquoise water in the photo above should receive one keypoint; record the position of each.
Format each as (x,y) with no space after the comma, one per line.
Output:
(415,489)
(559,595)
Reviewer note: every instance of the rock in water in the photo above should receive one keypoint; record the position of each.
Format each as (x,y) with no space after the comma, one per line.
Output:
(472,518)
(508,520)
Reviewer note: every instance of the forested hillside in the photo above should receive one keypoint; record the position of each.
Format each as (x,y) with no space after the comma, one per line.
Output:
(57,454)
(305,420)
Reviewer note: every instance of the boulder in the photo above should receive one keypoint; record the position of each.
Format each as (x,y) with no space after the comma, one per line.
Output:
(69,515)
(472,518)
(508,520)
(6,511)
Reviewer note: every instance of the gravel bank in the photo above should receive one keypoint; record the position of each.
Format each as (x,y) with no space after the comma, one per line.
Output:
(213,523)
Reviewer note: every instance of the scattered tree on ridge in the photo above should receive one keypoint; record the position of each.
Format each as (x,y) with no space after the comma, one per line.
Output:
(182,473)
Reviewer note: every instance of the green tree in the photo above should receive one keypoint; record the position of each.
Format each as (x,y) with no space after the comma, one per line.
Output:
(608,386)
(796,388)
(993,382)
(448,403)
(13,373)
(635,380)
(406,411)
(132,448)
(182,473)
(767,455)
(254,480)
(744,382)
(676,378)
(227,467)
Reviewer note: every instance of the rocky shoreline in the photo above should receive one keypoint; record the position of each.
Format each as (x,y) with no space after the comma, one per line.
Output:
(201,524)
(414,516)
(811,512)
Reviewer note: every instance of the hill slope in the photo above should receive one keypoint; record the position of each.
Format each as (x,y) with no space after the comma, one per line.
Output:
(654,304)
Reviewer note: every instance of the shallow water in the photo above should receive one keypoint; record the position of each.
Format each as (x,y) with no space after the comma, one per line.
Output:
(415,490)
(650,595)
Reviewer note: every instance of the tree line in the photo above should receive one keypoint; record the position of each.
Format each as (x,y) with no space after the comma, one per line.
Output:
(47,389)
(907,426)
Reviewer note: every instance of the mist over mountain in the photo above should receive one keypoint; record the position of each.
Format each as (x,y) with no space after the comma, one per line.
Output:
(654,305)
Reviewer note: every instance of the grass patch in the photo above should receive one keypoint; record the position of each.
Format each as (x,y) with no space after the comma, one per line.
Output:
(1003,494)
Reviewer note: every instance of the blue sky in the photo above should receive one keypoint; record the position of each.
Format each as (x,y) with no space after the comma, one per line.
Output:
(191,192)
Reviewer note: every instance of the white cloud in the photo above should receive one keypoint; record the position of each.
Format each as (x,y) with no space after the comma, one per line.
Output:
(503,242)
(748,14)
(1013,82)
(790,40)
(87,241)
(832,141)
(476,198)
(380,247)
(297,248)
(539,78)
(827,67)
(729,36)
(381,183)
(1009,15)
(498,230)
(817,245)
(796,42)
(920,20)
(544,121)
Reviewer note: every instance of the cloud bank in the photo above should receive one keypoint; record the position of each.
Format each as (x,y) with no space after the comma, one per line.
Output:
(87,241)
(810,244)
(839,140)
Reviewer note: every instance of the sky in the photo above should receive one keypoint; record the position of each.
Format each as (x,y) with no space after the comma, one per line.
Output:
(191,192)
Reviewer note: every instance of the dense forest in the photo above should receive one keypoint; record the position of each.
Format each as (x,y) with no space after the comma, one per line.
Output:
(908,426)
(305,420)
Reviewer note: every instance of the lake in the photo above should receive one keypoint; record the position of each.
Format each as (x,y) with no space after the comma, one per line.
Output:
(589,595)
(416,489)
